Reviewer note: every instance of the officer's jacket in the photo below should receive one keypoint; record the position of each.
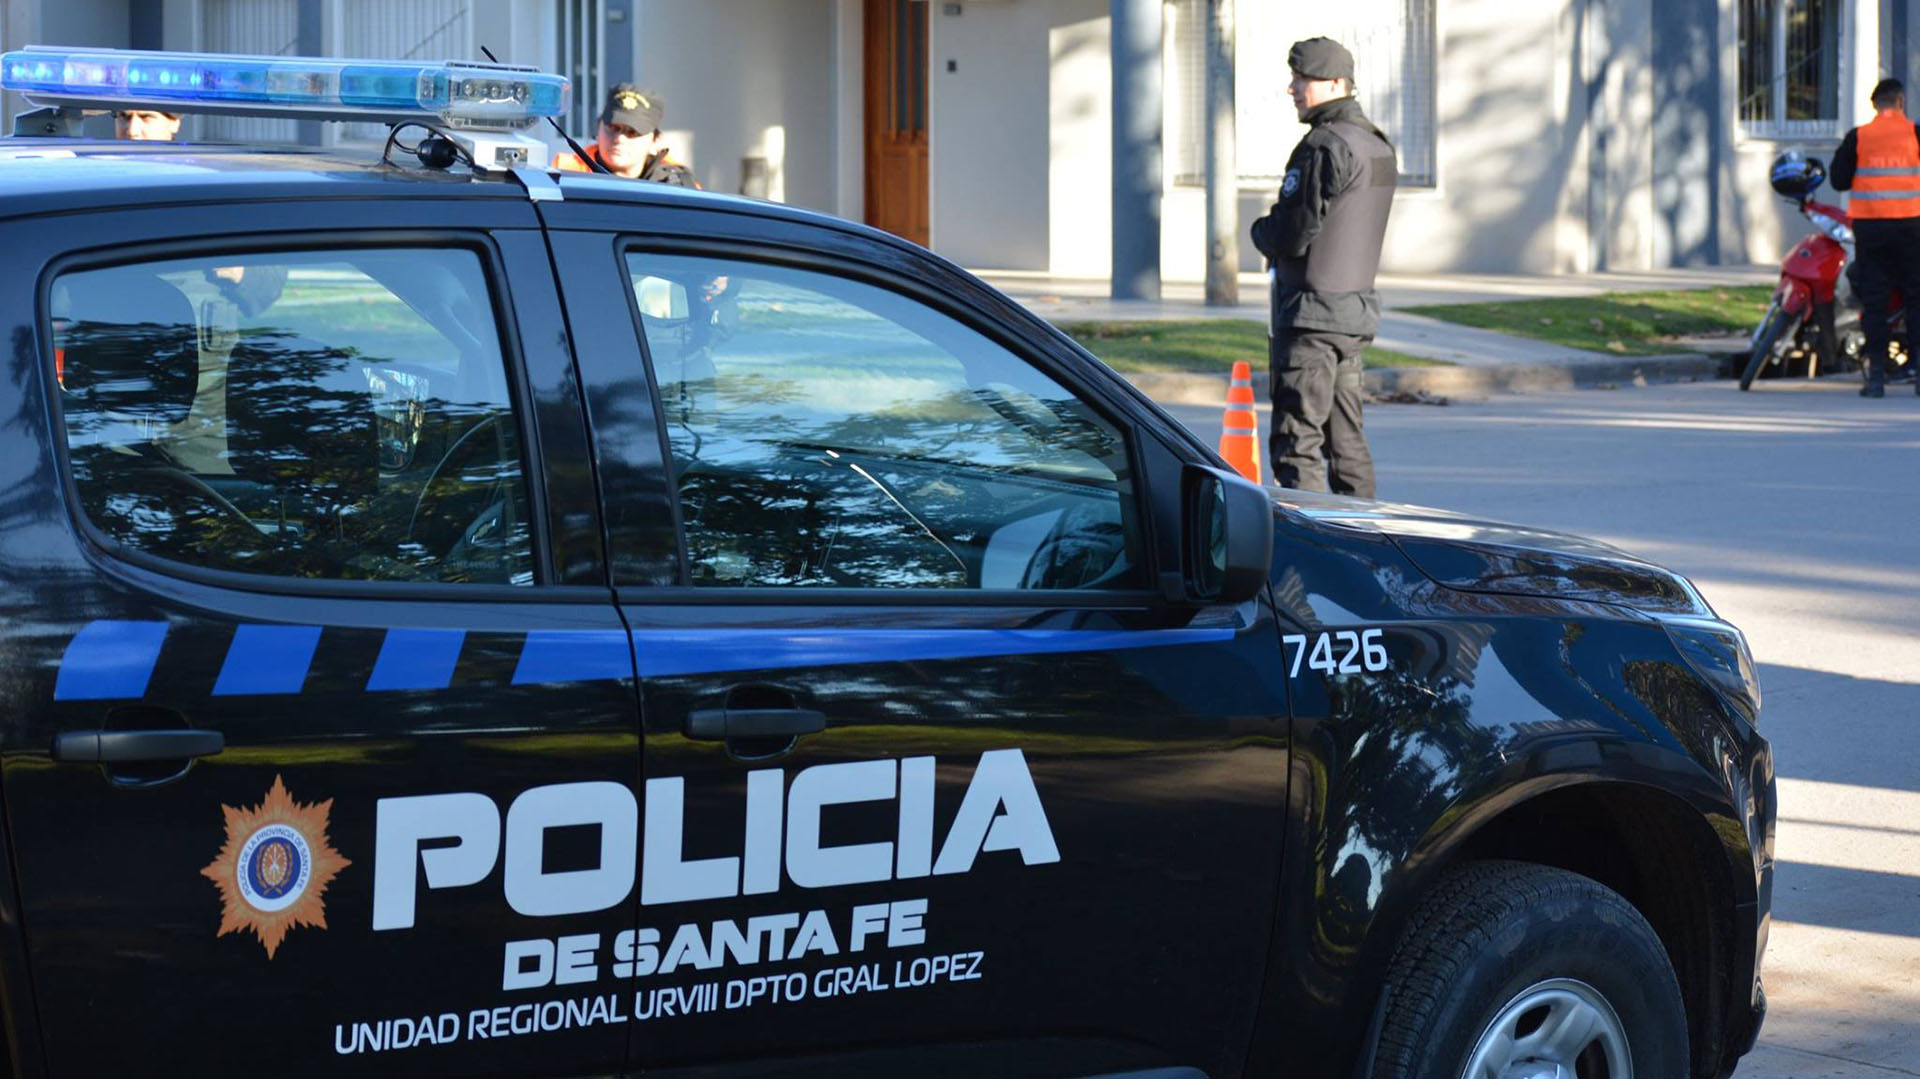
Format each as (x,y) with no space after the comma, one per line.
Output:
(1880,163)
(659,168)
(1323,237)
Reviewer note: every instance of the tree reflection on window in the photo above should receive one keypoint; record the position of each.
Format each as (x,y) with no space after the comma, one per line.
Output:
(828,433)
(308,415)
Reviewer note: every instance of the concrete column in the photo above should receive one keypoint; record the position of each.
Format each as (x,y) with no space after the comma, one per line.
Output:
(849,109)
(1901,29)
(310,40)
(146,24)
(616,38)
(1688,133)
(1859,61)
(1223,168)
(19,27)
(1137,166)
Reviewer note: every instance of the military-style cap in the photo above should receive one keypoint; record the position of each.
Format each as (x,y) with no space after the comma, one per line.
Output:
(1321,58)
(638,109)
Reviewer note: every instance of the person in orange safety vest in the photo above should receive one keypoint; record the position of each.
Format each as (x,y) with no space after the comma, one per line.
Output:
(1880,164)
(628,141)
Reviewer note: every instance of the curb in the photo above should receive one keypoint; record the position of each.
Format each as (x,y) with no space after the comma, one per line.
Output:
(1458,381)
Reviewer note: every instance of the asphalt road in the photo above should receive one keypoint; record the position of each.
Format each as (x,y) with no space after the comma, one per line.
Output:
(1796,509)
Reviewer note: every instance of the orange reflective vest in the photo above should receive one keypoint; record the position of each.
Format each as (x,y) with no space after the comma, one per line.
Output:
(567,162)
(659,168)
(1887,184)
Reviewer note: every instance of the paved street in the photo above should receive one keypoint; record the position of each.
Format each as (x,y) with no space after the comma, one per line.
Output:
(1796,508)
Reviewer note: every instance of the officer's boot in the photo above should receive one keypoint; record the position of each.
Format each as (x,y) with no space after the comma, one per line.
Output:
(1876,378)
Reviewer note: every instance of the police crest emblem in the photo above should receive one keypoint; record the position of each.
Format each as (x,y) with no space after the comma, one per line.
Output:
(274,867)
(1290,185)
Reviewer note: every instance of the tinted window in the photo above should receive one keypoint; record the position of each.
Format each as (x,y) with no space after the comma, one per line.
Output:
(340,415)
(826,432)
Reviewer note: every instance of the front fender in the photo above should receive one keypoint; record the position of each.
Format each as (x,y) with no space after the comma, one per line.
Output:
(1493,702)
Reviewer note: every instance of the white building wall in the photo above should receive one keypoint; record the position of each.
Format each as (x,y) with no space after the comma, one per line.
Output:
(1622,225)
(989,116)
(1511,157)
(747,78)
(1079,161)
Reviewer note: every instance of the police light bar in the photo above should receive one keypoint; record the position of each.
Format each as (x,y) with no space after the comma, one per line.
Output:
(458,94)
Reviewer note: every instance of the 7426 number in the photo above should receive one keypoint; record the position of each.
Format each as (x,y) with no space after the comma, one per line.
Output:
(1358,651)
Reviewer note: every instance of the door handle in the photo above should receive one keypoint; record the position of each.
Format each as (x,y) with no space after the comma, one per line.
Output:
(726,724)
(122,747)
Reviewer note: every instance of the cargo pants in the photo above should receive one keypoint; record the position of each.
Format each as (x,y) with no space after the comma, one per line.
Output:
(1887,262)
(1317,442)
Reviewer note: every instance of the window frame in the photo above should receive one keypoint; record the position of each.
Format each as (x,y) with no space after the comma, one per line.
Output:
(1778,127)
(893,280)
(519,391)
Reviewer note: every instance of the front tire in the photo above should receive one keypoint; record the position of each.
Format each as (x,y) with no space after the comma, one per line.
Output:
(1509,970)
(1776,327)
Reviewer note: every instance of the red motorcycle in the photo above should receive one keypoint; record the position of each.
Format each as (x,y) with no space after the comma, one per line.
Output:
(1814,314)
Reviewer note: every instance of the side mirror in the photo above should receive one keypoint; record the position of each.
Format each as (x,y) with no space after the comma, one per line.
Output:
(1227,536)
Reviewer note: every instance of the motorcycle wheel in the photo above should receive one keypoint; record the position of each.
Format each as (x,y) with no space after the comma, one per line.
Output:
(1775,328)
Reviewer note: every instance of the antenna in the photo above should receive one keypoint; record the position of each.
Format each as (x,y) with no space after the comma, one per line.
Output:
(592,162)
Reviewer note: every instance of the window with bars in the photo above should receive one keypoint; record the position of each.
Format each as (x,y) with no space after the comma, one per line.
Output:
(581,57)
(1789,67)
(252,28)
(1394,46)
(378,29)
(401,30)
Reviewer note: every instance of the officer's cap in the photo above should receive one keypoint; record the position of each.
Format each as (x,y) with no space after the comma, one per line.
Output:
(641,110)
(1321,58)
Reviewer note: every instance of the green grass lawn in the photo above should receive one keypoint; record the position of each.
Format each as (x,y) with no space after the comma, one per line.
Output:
(1209,346)
(1625,323)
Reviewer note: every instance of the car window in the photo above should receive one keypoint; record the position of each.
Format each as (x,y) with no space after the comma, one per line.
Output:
(317,415)
(826,432)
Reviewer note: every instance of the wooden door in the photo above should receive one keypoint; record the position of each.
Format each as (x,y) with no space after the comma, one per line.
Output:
(896,117)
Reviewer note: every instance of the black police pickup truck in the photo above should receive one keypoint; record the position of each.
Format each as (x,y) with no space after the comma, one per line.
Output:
(469,621)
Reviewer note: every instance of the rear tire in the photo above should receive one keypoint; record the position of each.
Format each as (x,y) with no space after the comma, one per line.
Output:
(1774,328)
(1514,968)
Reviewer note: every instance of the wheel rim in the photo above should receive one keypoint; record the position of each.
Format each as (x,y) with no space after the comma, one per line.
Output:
(1558,1029)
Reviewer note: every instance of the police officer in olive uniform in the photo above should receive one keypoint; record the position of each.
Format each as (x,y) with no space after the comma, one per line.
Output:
(628,141)
(1322,241)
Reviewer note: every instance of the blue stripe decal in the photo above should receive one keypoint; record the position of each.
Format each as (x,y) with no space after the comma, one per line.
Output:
(574,655)
(267,659)
(666,652)
(109,660)
(417,659)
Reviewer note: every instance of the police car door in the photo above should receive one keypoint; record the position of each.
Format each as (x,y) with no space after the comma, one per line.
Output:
(931,774)
(320,706)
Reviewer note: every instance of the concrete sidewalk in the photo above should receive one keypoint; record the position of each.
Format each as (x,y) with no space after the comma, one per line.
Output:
(1483,361)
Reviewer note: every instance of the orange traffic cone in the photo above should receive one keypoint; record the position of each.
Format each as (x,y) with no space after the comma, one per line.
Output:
(1240,427)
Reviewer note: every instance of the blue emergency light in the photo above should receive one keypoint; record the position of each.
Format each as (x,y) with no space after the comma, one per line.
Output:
(458,94)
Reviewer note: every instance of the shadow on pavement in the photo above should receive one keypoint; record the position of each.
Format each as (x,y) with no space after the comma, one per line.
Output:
(1836,728)
(1852,899)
